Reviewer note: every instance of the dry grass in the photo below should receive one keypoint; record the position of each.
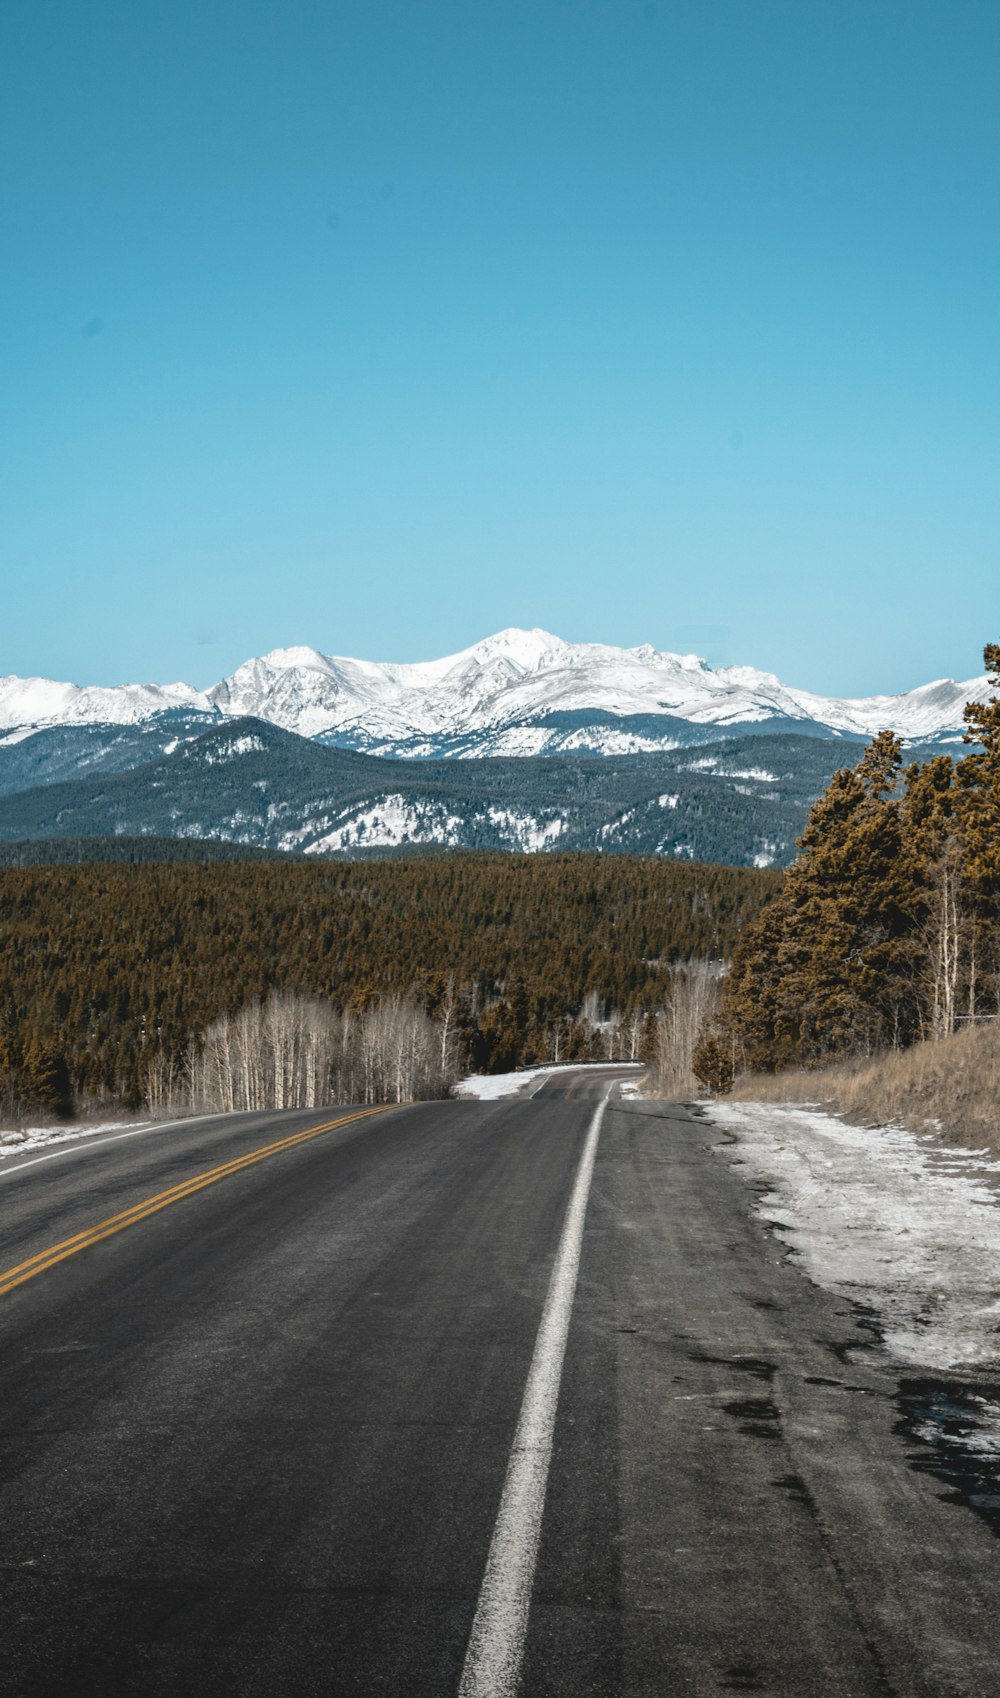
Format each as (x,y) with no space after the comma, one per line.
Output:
(952,1086)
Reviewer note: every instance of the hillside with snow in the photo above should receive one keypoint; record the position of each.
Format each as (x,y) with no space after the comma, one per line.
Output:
(250,782)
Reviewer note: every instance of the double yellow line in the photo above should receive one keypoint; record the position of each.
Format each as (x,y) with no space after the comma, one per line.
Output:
(162,1200)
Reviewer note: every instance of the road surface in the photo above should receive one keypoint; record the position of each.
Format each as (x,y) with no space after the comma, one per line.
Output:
(257,1414)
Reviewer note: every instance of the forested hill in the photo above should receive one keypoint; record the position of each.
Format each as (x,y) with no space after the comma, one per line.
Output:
(102,965)
(743,800)
(67,851)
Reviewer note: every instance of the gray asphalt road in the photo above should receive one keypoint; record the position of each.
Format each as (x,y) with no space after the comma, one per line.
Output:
(589,1084)
(255,1442)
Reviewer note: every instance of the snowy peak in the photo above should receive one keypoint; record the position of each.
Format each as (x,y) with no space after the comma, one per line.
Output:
(515,693)
(42,701)
(316,694)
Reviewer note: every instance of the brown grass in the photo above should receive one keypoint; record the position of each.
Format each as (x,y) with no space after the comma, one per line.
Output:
(952,1086)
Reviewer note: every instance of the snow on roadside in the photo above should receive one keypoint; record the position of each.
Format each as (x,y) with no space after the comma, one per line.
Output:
(885,1218)
(489,1087)
(36,1137)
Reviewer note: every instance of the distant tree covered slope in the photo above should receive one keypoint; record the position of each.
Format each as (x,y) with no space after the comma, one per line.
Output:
(743,800)
(103,965)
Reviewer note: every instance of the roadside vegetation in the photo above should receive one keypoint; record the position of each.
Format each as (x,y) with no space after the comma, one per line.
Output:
(872,979)
(116,978)
(690,1004)
(951,1086)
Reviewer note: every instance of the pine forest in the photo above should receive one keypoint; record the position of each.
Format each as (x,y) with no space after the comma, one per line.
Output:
(886,929)
(113,973)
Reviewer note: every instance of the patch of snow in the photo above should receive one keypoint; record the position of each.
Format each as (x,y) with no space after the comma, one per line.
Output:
(17,1143)
(231,750)
(667,801)
(21,735)
(490,1087)
(614,826)
(388,823)
(886,1219)
(523,830)
(610,741)
(519,741)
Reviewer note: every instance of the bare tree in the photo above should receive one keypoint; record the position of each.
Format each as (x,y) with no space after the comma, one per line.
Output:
(694,993)
(635,1026)
(299,1052)
(164,1088)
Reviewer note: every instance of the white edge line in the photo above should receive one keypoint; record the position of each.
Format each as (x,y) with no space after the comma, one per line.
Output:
(496,1642)
(94,1142)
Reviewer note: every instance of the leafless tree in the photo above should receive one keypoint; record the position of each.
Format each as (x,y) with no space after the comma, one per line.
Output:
(165,1084)
(694,992)
(299,1052)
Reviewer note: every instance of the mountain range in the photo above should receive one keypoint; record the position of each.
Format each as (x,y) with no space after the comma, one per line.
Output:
(516,693)
(523,742)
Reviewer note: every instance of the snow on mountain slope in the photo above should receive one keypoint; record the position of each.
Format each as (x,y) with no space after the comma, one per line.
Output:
(315,694)
(516,693)
(41,701)
(498,690)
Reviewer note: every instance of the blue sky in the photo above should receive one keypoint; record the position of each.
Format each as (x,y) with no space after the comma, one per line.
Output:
(378,326)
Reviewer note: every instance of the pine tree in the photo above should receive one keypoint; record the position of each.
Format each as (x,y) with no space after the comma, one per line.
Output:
(977,811)
(44,1081)
(979,784)
(825,970)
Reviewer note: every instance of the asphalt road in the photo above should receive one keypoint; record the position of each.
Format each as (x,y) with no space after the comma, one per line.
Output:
(254,1440)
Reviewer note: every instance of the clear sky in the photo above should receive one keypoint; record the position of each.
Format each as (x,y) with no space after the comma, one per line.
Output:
(378,325)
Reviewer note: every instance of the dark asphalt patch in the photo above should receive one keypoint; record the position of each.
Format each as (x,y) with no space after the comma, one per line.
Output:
(842,1385)
(852,1353)
(743,1678)
(797,1489)
(761,1419)
(758,1366)
(956,1429)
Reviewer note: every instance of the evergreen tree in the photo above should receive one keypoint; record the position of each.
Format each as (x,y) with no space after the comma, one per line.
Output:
(888,925)
(824,970)
(979,785)
(44,1081)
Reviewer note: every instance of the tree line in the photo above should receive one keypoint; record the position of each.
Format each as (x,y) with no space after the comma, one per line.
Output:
(295,1051)
(110,971)
(886,929)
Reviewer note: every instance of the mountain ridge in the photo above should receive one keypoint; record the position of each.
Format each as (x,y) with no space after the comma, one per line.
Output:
(509,695)
(245,781)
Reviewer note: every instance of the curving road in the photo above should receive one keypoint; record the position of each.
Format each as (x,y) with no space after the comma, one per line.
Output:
(257,1413)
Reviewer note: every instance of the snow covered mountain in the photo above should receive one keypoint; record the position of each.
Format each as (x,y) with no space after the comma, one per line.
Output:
(518,693)
(34,702)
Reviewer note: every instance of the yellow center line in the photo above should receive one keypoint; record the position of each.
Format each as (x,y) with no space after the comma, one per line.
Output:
(37,1264)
